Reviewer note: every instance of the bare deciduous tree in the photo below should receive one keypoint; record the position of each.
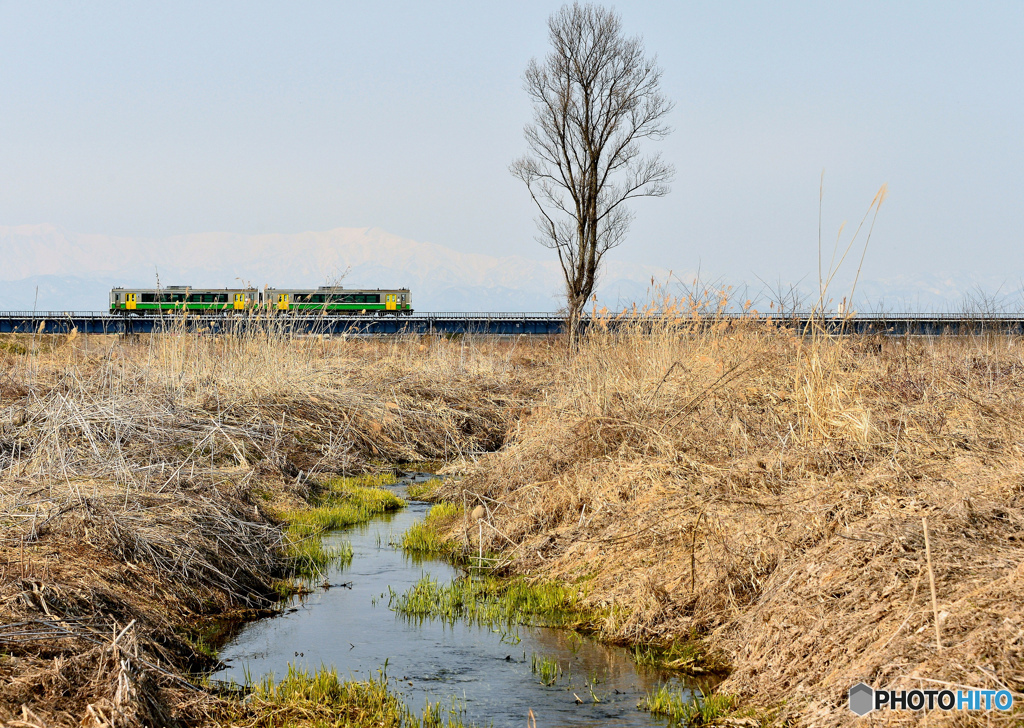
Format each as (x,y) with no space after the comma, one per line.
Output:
(596,96)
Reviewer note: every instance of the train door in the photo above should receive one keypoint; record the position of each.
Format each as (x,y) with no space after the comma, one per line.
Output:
(239,301)
(129,301)
(391,301)
(282,301)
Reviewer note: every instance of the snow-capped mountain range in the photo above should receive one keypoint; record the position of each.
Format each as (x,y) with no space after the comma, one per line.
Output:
(48,268)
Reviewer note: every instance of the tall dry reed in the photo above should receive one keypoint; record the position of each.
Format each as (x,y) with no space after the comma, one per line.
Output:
(762,489)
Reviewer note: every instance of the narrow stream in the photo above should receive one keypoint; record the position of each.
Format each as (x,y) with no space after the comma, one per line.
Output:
(487,673)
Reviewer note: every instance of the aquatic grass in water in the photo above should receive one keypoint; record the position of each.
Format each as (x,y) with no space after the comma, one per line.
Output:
(345,502)
(307,557)
(424,490)
(321,699)
(546,668)
(688,655)
(688,710)
(494,602)
(424,538)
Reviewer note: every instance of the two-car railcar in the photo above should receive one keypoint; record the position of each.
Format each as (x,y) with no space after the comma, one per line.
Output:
(325,300)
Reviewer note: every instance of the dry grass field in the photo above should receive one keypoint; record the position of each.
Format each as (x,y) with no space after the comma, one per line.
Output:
(770,494)
(138,483)
(766,493)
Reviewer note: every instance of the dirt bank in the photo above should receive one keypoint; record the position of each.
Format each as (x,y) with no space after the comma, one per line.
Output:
(768,494)
(139,483)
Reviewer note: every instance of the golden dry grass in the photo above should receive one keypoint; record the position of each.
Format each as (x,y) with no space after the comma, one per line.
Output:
(765,492)
(138,483)
(762,490)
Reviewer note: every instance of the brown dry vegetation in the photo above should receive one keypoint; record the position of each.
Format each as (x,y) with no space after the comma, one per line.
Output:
(138,479)
(762,491)
(765,493)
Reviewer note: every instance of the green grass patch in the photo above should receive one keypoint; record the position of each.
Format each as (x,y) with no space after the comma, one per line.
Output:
(687,655)
(306,556)
(202,646)
(425,539)
(371,480)
(687,709)
(424,491)
(546,668)
(320,699)
(12,347)
(495,602)
(344,502)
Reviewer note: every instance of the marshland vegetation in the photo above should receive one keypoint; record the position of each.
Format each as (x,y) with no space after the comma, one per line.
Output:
(768,493)
(495,602)
(324,700)
(146,485)
(719,493)
(682,709)
(341,503)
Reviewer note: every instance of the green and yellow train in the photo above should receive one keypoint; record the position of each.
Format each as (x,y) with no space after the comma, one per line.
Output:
(226,301)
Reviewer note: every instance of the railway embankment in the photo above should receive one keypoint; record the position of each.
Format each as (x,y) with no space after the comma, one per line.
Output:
(737,497)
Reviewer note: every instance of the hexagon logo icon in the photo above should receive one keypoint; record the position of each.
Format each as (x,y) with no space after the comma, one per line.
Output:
(862,699)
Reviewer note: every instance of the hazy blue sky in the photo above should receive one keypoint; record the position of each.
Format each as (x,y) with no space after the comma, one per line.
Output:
(162,118)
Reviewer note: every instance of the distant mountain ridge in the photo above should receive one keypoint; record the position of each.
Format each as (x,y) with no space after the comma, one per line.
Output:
(49,268)
(74,271)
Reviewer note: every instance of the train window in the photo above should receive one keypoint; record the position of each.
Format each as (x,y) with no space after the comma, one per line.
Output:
(148,298)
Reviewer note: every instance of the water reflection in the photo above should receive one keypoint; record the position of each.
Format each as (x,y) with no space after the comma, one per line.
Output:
(487,671)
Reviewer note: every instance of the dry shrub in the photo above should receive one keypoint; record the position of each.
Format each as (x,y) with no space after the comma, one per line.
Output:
(136,478)
(765,490)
